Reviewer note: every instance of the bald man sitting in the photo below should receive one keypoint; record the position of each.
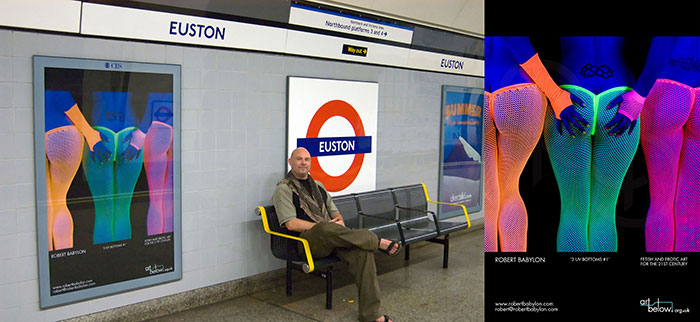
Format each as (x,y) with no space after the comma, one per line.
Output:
(304,206)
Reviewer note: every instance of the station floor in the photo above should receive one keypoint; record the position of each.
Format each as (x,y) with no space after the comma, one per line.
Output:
(420,290)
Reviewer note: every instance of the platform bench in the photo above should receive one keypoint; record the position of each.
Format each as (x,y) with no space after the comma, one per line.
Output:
(399,213)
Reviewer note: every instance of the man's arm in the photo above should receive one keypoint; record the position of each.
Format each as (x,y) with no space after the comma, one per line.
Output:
(299,225)
(336,216)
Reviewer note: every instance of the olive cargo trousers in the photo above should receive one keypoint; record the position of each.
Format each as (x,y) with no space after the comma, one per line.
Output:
(356,248)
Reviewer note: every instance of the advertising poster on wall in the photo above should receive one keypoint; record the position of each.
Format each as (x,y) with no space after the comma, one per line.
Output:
(336,120)
(607,215)
(107,176)
(461,150)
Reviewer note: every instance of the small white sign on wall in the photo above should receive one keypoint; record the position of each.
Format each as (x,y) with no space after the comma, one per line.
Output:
(337,122)
(348,24)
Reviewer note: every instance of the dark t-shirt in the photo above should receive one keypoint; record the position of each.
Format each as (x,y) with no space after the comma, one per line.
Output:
(307,185)
(295,199)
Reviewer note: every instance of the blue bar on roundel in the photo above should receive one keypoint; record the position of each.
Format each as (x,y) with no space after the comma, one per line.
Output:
(319,147)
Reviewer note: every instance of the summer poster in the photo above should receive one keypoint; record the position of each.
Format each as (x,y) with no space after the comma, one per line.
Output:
(461,161)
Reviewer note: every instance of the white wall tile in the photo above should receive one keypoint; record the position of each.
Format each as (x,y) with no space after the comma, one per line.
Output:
(191,78)
(174,55)
(26,243)
(22,96)
(28,292)
(8,222)
(9,249)
(22,69)
(26,219)
(7,197)
(6,94)
(5,68)
(10,315)
(5,43)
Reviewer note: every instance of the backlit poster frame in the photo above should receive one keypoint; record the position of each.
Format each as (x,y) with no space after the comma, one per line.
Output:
(461,150)
(107,165)
(336,120)
(638,283)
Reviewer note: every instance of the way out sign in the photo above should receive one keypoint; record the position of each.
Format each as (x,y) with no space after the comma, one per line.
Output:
(337,122)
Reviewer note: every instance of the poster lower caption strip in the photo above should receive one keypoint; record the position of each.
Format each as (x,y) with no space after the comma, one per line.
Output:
(663,261)
(526,307)
(514,259)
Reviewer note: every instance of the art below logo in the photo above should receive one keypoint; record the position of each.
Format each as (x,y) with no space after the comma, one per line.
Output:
(460,197)
(155,269)
(661,306)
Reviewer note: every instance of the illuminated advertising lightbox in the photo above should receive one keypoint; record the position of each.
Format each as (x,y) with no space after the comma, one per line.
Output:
(461,166)
(107,152)
(337,122)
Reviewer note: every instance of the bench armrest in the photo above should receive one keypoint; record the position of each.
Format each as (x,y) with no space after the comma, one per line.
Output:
(426,211)
(304,242)
(466,215)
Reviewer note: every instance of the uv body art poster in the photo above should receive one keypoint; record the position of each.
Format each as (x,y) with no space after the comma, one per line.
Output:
(107,176)
(605,213)
(461,149)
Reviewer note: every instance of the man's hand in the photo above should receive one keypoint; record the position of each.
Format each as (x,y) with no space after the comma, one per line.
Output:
(338,220)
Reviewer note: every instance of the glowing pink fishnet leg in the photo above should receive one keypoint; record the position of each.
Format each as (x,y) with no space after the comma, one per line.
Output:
(63,153)
(491,191)
(168,197)
(519,118)
(665,111)
(686,215)
(155,160)
(49,206)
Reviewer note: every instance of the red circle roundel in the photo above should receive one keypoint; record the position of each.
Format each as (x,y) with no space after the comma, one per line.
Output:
(346,111)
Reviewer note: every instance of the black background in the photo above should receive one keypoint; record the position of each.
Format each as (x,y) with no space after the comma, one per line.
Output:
(590,290)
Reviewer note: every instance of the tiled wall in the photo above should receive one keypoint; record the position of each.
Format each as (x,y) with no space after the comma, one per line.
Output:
(233,153)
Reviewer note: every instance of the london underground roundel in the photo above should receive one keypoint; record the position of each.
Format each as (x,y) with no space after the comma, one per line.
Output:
(332,143)
(358,145)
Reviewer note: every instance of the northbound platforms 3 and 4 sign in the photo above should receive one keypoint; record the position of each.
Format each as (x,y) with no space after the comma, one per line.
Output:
(337,122)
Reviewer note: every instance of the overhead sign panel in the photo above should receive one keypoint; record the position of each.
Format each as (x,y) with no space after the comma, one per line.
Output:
(348,24)
(267,10)
(102,20)
(316,45)
(133,23)
(445,63)
(63,16)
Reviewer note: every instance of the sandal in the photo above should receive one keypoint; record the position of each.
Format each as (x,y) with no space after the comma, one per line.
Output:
(387,318)
(388,250)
